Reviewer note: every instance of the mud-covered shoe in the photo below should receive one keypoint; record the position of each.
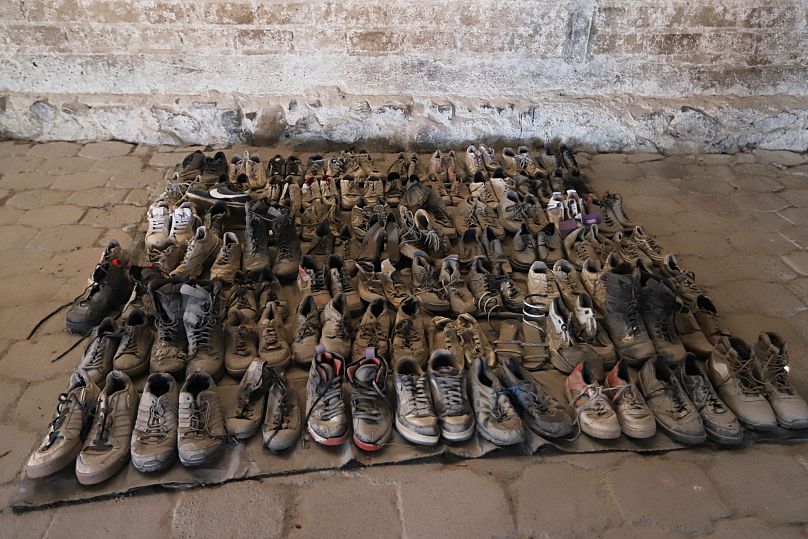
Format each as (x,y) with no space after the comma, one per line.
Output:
(336,327)
(496,418)
(549,247)
(592,408)
(526,162)
(513,213)
(689,331)
(201,251)
(63,440)
(420,234)
(228,261)
(108,292)
(282,419)
(657,307)
(307,331)
(708,319)
(675,413)
(684,282)
(371,410)
(409,338)
(154,438)
(512,296)
(369,282)
(415,417)
(374,330)
(566,351)
(394,291)
(201,434)
(272,343)
(184,221)
(648,245)
(242,298)
(483,285)
(203,327)
(340,282)
(470,248)
(426,284)
(166,255)
(321,246)
(347,247)
(719,422)
(240,343)
(134,350)
(312,281)
(447,380)
(247,415)
(287,259)
(269,289)
(772,356)
(460,298)
(169,348)
(159,219)
(351,190)
(541,282)
(523,253)
(578,249)
(106,449)
(96,362)
(636,420)
(474,163)
(541,412)
(326,414)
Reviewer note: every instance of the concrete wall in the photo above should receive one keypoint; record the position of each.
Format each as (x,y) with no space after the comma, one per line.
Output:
(714,75)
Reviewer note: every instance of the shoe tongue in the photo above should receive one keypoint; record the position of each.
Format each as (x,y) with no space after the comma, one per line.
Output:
(448,370)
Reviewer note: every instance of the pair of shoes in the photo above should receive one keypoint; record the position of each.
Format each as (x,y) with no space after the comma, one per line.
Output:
(491,290)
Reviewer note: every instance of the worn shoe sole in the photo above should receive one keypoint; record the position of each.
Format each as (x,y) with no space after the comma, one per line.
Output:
(327,441)
(458,436)
(153,463)
(365,446)
(414,437)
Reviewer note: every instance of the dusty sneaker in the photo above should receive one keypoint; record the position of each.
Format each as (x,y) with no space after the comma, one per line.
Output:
(684,282)
(591,406)
(240,343)
(636,420)
(281,428)
(707,317)
(415,418)
(426,284)
(719,422)
(326,416)
(447,381)
(408,337)
(496,418)
(460,298)
(578,249)
(248,413)
(541,412)
(166,255)
(336,324)
(370,284)
(307,331)
(474,163)
(312,281)
(371,410)
(106,449)
(134,350)
(228,261)
(394,291)
(184,221)
(648,245)
(200,433)
(772,356)
(374,330)
(523,252)
(203,327)
(272,343)
(96,362)
(159,219)
(201,251)
(63,441)
(674,412)
(541,282)
(108,292)
(470,248)
(154,438)
(341,283)
(169,348)
(347,247)
(549,247)
(483,285)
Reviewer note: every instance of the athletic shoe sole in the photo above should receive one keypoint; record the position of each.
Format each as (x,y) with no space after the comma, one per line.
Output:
(414,437)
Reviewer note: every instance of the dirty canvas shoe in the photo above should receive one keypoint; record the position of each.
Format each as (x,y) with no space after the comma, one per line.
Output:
(374,330)
(200,434)
(371,409)
(340,282)
(591,406)
(636,420)
(154,438)
(326,415)
(719,422)
(134,350)
(201,251)
(307,331)
(106,449)
(772,356)
(184,221)
(415,418)
(447,382)
(408,337)
(312,280)
(240,343)
(426,284)
(336,324)
(248,413)
(169,348)
(282,419)
(203,327)
(273,346)
(496,418)
(96,363)
(460,298)
(63,441)
(159,219)
(228,261)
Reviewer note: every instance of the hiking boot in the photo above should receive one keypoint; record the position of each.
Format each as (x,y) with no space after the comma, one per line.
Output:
(159,219)
(109,291)
(132,357)
(71,420)
(674,412)
(496,418)
(106,448)
(326,416)
(154,438)
(321,246)
(336,327)
(341,283)
(489,158)
(470,248)
(361,214)
(241,343)
(201,250)
(347,248)
(272,344)
(460,298)
(408,337)
(707,317)
(548,244)
(772,356)
(636,420)
(719,422)
(255,254)
(312,281)
(684,282)
(168,350)
(657,307)
(395,292)
(248,413)
(591,406)
(269,289)
(282,421)
(733,371)
(524,250)
(315,167)
(483,285)
(141,276)
(203,327)
(370,286)
(200,434)
(242,298)
(371,410)
(374,330)
(426,284)
(540,412)
(578,249)
(184,221)
(415,417)
(313,214)
(96,363)
(307,331)
(287,258)
(447,381)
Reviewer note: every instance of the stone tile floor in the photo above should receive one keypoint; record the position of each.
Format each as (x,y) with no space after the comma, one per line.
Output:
(739,221)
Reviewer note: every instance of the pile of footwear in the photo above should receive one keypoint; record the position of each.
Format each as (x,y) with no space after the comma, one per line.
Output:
(430,298)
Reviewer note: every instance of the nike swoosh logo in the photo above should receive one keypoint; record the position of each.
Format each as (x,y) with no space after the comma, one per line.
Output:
(216,194)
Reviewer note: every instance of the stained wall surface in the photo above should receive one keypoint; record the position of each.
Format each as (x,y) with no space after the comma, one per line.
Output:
(676,76)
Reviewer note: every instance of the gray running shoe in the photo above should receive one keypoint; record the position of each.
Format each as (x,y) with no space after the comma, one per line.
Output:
(240,343)
(202,249)
(415,417)
(496,418)
(169,349)
(134,350)
(540,411)
(248,413)
(336,323)
(106,449)
(371,409)
(228,261)
(719,422)
(326,416)
(273,346)
(592,408)
(657,307)
(374,330)
(282,421)
(307,331)
(96,363)
(408,337)
(154,438)
(636,420)
(203,326)
(447,382)
(201,433)
(675,413)
(789,407)
(733,371)
(63,440)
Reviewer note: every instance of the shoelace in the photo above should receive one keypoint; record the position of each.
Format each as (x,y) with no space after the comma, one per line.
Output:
(227,254)
(521,211)
(628,393)
(501,409)
(330,394)
(269,336)
(371,333)
(158,223)
(189,253)
(405,330)
(416,393)
(340,331)
(452,391)
(651,245)
(200,337)
(100,442)
(662,328)
(679,407)
(239,298)
(96,353)
(317,279)
(344,283)
(365,398)
(198,419)
(581,250)
(632,311)
(280,416)
(704,395)
(128,342)
(528,243)
(749,383)
(241,341)
(598,402)
(61,415)
(306,329)
(775,367)
(156,431)
(180,222)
